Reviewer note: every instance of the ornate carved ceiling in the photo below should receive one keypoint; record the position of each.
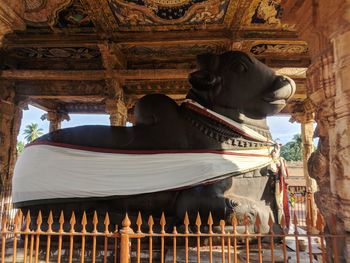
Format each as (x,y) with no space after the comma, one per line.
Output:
(142,14)
(151,15)
(146,35)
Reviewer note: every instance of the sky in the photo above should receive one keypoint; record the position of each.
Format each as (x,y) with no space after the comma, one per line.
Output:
(281,129)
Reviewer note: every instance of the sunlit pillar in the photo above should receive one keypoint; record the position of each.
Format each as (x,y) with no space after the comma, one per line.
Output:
(55,118)
(117,112)
(306,120)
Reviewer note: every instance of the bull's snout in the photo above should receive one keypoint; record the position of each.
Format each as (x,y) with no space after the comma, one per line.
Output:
(283,88)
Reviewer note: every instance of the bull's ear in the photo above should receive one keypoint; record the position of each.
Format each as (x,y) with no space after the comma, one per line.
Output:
(208,61)
(283,88)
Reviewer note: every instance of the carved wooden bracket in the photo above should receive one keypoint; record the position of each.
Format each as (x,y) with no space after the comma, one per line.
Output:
(302,112)
(55,118)
(112,56)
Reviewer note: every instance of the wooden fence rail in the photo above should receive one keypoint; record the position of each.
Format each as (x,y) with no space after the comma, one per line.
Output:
(190,242)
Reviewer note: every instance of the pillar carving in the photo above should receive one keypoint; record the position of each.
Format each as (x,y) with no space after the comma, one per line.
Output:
(115,105)
(325,26)
(117,112)
(130,102)
(306,119)
(112,57)
(10,121)
(55,118)
(340,153)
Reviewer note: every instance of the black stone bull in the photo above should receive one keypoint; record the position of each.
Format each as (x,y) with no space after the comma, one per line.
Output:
(232,84)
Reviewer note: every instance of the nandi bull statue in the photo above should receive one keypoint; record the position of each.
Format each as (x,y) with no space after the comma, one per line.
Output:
(213,153)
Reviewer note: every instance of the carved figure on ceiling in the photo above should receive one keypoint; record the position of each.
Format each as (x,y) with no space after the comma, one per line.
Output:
(264,14)
(268,11)
(132,12)
(286,49)
(39,12)
(65,52)
(174,50)
(34,5)
(74,15)
(209,13)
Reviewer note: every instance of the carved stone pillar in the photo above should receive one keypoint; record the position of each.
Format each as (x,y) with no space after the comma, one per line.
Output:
(305,117)
(115,105)
(112,59)
(117,112)
(130,105)
(307,132)
(55,118)
(10,121)
(340,153)
(325,25)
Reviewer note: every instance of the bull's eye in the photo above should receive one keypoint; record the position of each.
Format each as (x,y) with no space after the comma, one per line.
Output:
(239,67)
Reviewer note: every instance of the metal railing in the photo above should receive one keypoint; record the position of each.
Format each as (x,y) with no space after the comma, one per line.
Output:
(6,206)
(69,241)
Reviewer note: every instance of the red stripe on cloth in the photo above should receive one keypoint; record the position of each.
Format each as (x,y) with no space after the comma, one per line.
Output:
(285,167)
(121,151)
(286,204)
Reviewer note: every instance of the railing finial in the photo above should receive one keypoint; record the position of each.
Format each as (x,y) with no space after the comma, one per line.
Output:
(198,223)
(126,221)
(139,222)
(186,223)
(84,222)
(210,223)
(162,223)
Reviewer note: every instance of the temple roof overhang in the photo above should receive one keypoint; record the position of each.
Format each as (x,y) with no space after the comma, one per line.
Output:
(69,50)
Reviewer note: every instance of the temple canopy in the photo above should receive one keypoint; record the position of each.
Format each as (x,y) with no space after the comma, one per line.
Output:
(81,56)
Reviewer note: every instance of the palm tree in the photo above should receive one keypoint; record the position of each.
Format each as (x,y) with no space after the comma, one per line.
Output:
(20,146)
(32,131)
(293,150)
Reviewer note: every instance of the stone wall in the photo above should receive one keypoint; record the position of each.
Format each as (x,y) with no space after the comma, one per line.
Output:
(10,121)
(325,26)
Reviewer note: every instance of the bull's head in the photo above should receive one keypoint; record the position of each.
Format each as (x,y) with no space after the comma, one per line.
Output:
(235,83)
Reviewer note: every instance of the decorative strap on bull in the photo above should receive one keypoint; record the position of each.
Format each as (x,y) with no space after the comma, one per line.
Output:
(235,126)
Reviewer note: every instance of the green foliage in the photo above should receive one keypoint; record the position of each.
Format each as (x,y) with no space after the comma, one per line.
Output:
(32,131)
(292,151)
(20,146)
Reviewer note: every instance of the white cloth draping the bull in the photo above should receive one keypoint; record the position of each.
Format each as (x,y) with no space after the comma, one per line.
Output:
(51,172)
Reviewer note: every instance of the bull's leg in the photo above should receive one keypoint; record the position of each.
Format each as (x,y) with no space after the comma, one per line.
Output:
(248,194)
(241,207)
